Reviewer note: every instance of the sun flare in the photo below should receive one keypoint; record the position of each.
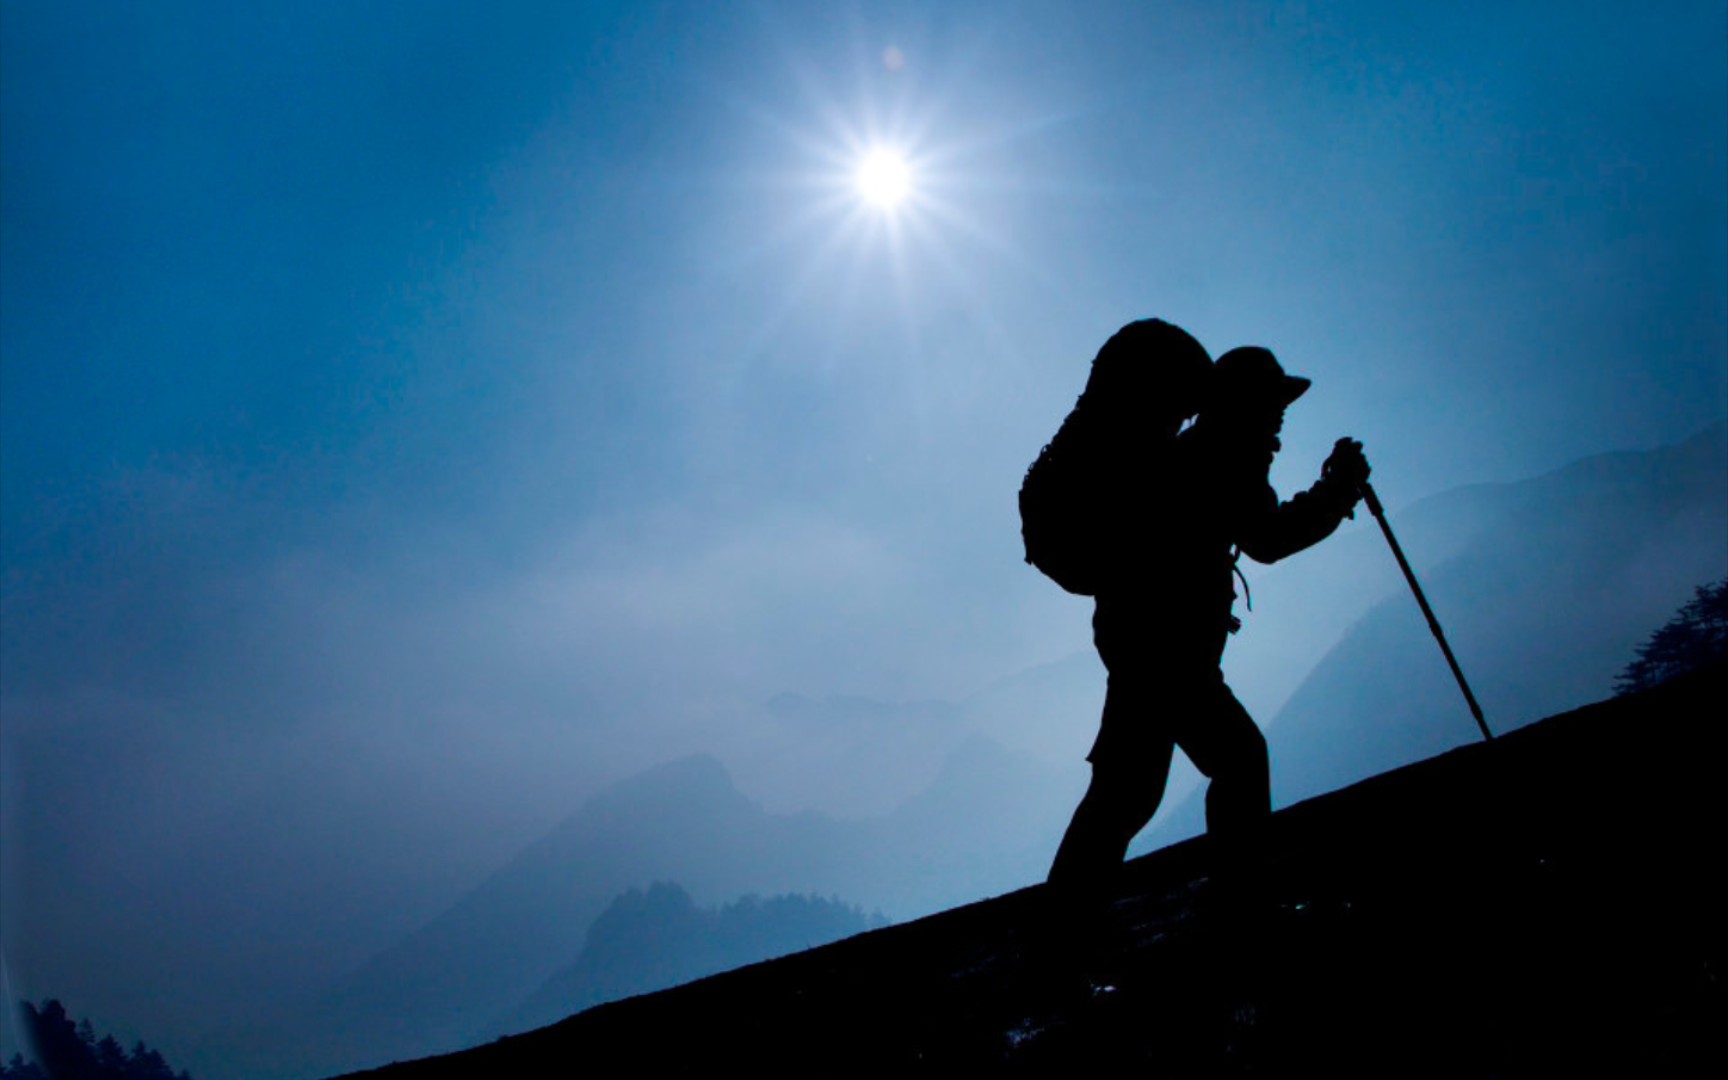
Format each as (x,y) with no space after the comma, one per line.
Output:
(883,178)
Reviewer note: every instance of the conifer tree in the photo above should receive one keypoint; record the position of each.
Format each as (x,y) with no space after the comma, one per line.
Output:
(1696,637)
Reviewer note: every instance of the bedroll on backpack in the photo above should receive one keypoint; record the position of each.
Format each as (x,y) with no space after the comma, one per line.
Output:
(1059,518)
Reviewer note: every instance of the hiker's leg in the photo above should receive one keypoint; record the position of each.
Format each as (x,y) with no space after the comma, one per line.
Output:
(1224,743)
(1228,747)
(1119,802)
(1130,764)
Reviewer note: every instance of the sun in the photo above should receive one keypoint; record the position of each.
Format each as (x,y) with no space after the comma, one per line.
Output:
(883,178)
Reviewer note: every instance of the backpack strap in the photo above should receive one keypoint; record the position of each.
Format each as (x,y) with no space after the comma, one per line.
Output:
(1235,558)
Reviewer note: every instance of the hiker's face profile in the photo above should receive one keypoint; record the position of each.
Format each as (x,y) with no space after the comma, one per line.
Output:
(1260,415)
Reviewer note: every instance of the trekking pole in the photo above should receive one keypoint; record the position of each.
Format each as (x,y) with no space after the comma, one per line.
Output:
(1379,513)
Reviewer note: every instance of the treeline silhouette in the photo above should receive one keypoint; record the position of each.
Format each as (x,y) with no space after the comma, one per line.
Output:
(1695,638)
(72,1051)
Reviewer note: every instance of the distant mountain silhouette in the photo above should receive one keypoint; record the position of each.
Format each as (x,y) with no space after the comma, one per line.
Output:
(1642,510)
(845,755)
(650,939)
(1485,912)
(518,926)
(1544,608)
(685,822)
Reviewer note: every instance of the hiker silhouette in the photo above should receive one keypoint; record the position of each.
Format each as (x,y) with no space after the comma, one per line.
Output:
(1175,508)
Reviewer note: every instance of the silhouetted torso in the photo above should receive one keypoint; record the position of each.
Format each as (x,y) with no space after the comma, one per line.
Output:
(1182,514)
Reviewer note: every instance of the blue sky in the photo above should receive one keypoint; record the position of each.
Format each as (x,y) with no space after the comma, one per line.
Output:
(427,412)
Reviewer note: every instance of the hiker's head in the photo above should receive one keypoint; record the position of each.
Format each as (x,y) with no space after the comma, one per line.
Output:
(1148,365)
(1249,387)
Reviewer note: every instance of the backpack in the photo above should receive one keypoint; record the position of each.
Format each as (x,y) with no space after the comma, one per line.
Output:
(1147,373)
(1060,510)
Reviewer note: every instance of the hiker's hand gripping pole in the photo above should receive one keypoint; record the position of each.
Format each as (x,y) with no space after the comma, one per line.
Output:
(1379,513)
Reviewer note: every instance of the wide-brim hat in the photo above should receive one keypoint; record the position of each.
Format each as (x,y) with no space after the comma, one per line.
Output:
(1251,373)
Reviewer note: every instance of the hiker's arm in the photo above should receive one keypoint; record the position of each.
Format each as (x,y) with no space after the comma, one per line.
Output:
(1311,516)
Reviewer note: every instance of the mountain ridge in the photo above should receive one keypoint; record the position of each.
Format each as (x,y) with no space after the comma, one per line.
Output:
(1614,543)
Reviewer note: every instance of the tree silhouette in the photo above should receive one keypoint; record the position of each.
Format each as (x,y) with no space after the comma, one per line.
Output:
(72,1051)
(1696,637)
(19,1069)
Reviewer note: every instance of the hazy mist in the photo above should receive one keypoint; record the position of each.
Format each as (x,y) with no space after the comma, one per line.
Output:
(418,418)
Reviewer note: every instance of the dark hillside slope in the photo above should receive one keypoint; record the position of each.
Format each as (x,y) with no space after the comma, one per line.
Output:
(1543,608)
(1544,903)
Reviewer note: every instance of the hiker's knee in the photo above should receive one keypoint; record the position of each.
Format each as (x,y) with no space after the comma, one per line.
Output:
(1225,742)
(1125,798)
